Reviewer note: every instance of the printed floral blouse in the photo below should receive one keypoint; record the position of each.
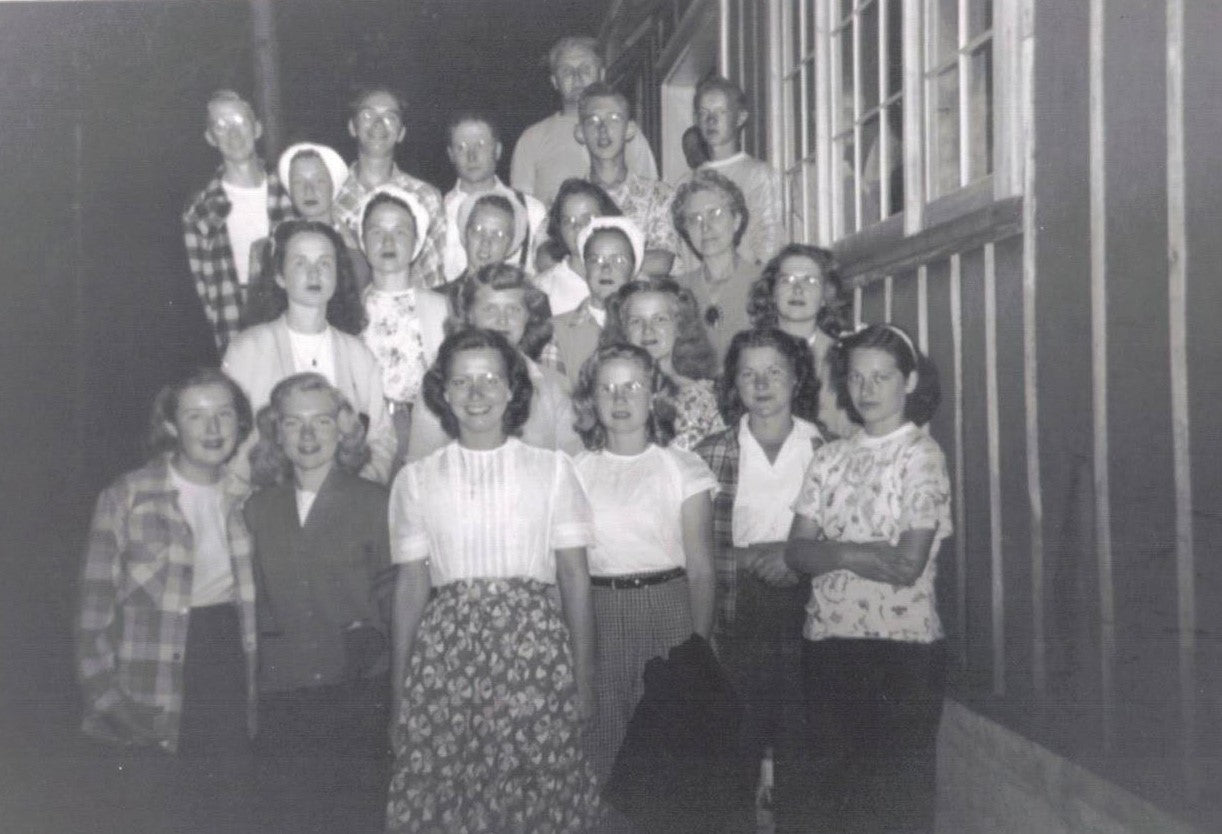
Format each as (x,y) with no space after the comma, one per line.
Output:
(696,414)
(394,336)
(870,489)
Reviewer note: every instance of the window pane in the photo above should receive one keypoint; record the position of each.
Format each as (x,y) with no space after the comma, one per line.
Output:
(894,201)
(944,142)
(943,32)
(808,116)
(844,110)
(979,17)
(799,116)
(895,47)
(796,200)
(868,40)
(871,165)
(812,183)
(980,113)
(846,185)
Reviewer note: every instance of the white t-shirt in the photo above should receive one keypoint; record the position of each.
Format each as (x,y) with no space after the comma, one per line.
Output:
(246,223)
(872,489)
(564,287)
(203,506)
(497,513)
(637,502)
(766,490)
(313,352)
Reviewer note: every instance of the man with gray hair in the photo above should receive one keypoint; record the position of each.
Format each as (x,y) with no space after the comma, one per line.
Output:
(239,206)
(547,153)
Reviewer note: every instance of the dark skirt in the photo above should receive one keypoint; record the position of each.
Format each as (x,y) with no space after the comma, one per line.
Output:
(488,738)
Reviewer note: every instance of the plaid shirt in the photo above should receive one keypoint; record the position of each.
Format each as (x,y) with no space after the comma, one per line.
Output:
(136,601)
(721,451)
(429,268)
(210,255)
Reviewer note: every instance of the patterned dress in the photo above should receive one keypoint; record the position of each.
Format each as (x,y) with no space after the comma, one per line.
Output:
(697,416)
(488,738)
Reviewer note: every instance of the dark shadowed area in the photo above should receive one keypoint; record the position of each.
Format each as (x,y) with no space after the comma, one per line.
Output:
(101,145)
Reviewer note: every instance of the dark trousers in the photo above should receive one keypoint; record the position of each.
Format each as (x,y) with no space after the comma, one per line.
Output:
(762,653)
(872,714)
(207,786)
(323,758)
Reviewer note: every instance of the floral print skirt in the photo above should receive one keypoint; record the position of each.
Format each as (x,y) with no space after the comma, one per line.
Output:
(488,738)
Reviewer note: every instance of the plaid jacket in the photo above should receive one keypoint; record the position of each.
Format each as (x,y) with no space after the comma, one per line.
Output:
(210,255)
(136,601)
(429,268)
(720,451)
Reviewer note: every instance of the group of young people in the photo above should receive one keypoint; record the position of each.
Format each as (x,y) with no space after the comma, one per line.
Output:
(471,461)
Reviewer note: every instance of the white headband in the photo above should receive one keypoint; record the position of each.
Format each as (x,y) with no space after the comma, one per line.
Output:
(334,163)
(630,229)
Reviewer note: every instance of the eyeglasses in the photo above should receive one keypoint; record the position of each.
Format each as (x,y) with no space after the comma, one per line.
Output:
(488,233)
(368,116)
(656,322)
(700,218)
(608,260)
(595,121)
(463,147)
(771,375)
(485,383)
(804,279)
(234,121)
(577,73)
(623,389)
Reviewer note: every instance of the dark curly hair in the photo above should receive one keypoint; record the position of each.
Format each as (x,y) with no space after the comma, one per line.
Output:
(269,464)
(516,376)
(502,276)
(693,355)
(805,400)
(571,186)
(704,179)
(165,408)
(922,403)
(345,311)
(832,318)
(662,389)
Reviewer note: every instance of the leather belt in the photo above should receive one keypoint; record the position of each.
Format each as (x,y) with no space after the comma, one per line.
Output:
(636,580)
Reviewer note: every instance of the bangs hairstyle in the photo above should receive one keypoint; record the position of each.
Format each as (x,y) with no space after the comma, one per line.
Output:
(693,355)
(921,405)
(832,317)
(362,91)
(517,377)
(165,408)
(269,465)
(797,354)
(269,300)
(705,180)
(571,186)
(538,330)
(660,428)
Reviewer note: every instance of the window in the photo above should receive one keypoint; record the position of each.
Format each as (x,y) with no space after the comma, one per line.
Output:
(844,133)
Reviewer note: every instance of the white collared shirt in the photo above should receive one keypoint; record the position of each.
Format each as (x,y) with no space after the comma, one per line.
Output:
(766,490)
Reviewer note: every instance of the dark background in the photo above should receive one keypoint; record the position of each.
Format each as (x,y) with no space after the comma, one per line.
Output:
(101,144)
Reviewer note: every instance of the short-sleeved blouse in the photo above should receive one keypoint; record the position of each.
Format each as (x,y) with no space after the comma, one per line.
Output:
(637,502)
(696,414)
(870,489)
(497,513)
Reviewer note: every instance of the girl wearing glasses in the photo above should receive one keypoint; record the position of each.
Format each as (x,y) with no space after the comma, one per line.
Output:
(662,317)
(492,677)
(710,214)
(577,203)
(650,565)
(801,293)
(770,395)
(492,227)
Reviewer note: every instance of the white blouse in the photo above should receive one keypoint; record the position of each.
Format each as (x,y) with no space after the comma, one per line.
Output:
(564,287)
(872,489)
(498,513)
(637,502)
(766,489)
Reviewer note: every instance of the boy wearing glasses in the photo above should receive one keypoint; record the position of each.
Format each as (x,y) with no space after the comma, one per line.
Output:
(376,122)
(240,205)
(474,150)
(547,153)
(604,127)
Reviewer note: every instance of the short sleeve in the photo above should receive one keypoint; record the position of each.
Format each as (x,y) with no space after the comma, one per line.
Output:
(925,489)
(408,535)
(695,476)
(810,497)
(572,518)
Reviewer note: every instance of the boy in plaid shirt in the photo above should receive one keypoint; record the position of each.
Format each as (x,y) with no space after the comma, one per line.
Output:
(240,205)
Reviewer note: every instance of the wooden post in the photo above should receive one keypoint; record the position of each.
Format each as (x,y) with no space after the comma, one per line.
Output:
(266,51)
